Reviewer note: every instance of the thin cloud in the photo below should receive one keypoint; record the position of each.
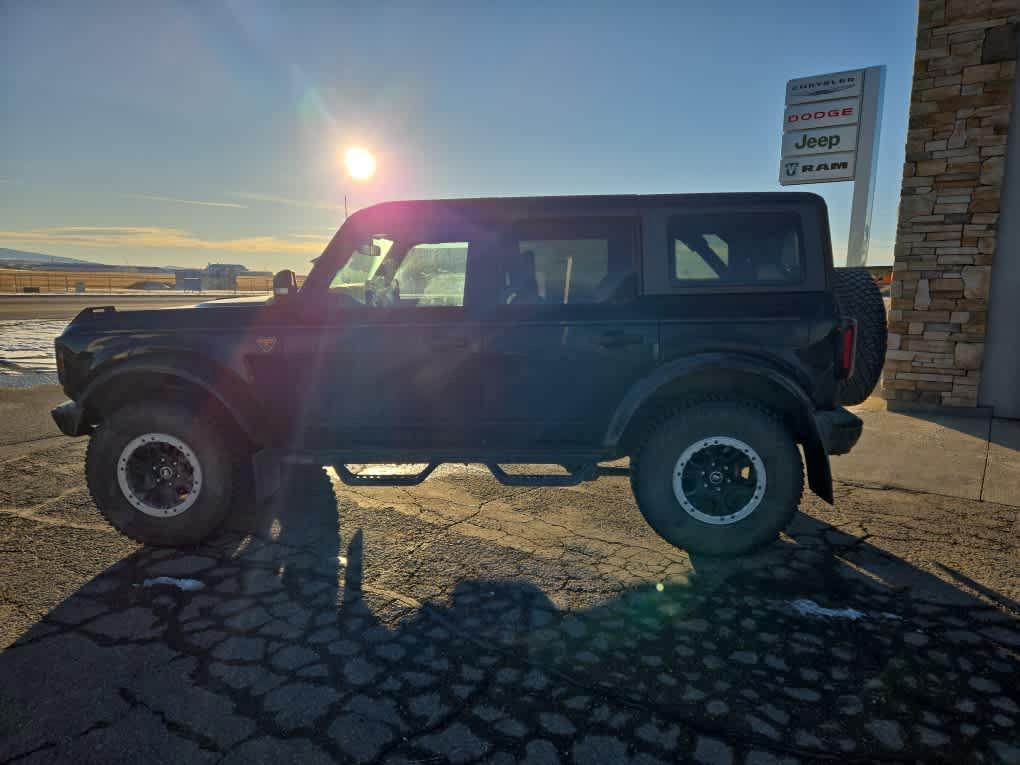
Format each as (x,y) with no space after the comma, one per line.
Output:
(273,199)
(177,200)
(135,237)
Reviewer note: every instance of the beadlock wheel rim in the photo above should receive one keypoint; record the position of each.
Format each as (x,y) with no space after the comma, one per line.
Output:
(159,475)
(719,480)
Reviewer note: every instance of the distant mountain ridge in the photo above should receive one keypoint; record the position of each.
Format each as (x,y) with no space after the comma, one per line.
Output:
(38,261)
(21,256)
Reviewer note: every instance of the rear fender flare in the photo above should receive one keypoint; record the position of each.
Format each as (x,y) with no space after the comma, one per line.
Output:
(801,410)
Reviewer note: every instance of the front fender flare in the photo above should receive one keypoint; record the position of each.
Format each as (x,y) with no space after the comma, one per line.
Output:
(808,432)
(220,383)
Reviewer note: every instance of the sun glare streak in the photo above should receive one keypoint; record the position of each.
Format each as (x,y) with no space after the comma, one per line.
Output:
(360,163)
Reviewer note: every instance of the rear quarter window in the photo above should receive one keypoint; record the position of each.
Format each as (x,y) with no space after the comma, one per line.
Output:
(735,249)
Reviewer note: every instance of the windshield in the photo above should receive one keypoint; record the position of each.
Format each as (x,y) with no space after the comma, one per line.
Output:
(363,264)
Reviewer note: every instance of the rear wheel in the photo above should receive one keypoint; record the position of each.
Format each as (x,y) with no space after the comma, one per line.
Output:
(160,474)
(718,478)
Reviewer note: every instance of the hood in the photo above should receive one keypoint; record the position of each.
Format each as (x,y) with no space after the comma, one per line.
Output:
(230,312)
(248,300)
(227,302)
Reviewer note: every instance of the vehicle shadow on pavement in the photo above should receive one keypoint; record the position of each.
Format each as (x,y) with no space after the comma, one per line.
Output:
(313,641)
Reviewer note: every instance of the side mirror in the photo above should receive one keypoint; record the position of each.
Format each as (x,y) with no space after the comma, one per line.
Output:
(284,284)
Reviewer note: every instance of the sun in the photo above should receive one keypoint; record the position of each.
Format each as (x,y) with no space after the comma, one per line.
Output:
(360,163)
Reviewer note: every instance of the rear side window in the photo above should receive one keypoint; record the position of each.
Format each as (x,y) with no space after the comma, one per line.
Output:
(570,262)
(736,248)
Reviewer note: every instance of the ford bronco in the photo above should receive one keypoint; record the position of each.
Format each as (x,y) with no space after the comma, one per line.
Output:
(706,338)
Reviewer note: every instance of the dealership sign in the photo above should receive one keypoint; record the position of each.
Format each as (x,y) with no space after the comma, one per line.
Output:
(818,167)
(820,140)
(830,133)
(825,87)
(845,111)
(822,116)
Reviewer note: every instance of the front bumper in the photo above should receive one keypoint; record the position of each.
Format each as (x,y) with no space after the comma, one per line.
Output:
(840,429)
(70,418)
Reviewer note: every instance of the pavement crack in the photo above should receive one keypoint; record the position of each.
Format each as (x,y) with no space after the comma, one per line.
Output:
(177,728)
(28,514)
(30,752)
(98,725)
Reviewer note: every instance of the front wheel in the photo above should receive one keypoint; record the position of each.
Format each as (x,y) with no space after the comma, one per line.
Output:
(718,478)
(160,473)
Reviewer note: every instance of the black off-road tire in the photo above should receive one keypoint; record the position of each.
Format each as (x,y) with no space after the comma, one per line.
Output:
(860,298)
(216,452)
(652,469)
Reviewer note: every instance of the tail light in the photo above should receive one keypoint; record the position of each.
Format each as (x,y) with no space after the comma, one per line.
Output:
(847,348)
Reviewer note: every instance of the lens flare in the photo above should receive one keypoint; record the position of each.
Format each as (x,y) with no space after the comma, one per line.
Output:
(360,163)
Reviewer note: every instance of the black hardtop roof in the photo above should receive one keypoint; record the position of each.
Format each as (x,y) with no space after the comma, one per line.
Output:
(390,217)
(587,205)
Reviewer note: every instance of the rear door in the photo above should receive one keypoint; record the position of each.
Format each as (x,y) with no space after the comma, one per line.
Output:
(561,341)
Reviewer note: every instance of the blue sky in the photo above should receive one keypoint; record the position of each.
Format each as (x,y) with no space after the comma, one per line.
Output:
(184,133)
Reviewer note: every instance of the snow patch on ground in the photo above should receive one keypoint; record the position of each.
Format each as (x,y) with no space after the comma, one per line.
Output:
(806,607)
(188,585)
(26,345)
(810,608)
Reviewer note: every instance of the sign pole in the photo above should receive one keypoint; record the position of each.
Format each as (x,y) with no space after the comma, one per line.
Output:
(867,167)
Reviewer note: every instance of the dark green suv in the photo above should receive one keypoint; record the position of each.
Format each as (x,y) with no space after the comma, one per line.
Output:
(707,338)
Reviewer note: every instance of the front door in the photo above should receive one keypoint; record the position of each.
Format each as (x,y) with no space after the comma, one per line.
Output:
(399,356)
(563,343)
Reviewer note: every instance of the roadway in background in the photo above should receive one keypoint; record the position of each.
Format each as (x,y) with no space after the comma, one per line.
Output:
(66,306)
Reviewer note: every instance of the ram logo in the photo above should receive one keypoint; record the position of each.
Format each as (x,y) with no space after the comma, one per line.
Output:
(791,168)
(265,344)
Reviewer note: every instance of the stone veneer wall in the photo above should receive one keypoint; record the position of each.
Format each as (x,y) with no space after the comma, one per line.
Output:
(949,209)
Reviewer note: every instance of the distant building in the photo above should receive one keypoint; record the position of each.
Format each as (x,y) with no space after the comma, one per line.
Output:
(221,276)
(188,279)
(215,276)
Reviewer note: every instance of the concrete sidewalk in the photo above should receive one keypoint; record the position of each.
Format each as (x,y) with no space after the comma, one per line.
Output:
(967,457)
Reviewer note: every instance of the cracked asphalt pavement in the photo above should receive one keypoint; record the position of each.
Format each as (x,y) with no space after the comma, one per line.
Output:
(465,621)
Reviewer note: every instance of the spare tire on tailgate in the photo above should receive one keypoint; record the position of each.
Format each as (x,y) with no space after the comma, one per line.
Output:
(859,298)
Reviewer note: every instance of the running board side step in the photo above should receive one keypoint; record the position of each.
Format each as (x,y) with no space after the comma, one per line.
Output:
(583,473)
(268,470)
(588,472)
(370,479)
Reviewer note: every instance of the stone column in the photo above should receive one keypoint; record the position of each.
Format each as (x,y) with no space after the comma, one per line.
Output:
(964,69)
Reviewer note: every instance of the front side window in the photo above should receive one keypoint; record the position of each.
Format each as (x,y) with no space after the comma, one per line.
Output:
(388,273)
(433,274)
(736,248)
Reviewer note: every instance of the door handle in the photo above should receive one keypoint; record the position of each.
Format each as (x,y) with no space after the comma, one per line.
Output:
(619,339)
(453,343)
